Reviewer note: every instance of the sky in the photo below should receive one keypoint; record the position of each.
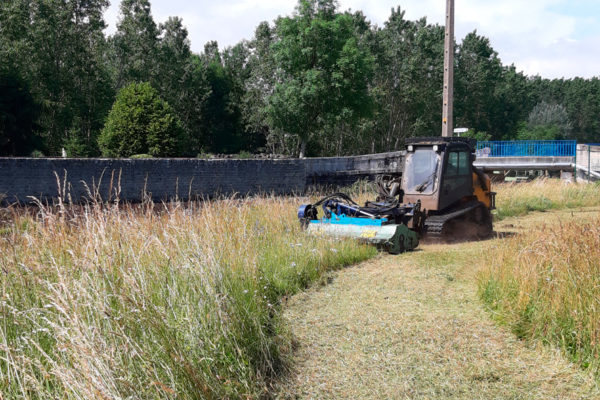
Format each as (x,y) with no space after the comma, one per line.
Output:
(550,38)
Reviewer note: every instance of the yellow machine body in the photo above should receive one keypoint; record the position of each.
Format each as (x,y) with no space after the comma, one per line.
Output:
(482,190)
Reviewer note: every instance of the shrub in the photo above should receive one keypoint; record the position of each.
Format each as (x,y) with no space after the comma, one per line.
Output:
(140,122)
(141,156)
(244,155)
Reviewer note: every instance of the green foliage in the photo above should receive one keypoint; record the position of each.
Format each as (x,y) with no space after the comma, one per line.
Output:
(257,90)
(319,81)
(75,147)
(222,124)
(323,72)
(140,122)
(36,154)
(539,132)
(58,48)
(135,44)
(479,136)
(407,83)
(244,155)
(205,156)
(140,156)
(550,114)
(478,73)
(183,82)
(18,112)
(546,122)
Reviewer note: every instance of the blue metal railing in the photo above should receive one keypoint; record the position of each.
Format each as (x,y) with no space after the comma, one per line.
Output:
(527,148)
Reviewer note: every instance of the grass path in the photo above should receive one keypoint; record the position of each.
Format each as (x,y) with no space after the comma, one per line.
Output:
(412,326)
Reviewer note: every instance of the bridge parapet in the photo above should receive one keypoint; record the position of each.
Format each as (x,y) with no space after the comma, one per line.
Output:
(525,163)
(527,148)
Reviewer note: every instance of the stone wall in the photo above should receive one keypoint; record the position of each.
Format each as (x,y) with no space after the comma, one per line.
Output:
(21,179)
(347,170)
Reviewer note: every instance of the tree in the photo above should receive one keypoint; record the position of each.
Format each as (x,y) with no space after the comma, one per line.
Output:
(18,112)
(582,102)
(546,122)
(408,80)
(258,88)
(182,81)
(514,101)
(58,48)
(140,122)
(221,116)
(478,73)
(135,45)
(322,72)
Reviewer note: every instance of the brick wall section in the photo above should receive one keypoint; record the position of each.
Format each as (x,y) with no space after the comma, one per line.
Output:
(21,178)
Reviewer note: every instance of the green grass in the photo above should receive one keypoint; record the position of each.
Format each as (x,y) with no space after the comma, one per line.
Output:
(107,302)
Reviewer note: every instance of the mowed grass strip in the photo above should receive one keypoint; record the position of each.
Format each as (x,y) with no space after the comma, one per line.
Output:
(413,327)
(166,301)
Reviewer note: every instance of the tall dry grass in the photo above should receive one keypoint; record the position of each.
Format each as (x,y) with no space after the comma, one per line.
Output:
(515,199)
(156,301)
(545,284)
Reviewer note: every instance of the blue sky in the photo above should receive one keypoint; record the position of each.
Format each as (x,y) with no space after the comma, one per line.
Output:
(550,38)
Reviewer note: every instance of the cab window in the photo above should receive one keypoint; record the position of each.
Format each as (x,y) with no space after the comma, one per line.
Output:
(458,164)
(457,173)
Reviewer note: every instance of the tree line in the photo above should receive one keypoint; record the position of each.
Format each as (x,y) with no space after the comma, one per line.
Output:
(318,82)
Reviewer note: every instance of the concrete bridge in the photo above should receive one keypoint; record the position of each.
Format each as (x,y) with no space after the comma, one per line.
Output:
(555,156)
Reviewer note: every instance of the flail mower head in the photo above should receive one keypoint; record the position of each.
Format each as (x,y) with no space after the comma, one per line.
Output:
(385,223)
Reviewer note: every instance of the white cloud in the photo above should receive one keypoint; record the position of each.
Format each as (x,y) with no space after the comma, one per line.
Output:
(243,8)
(564,59)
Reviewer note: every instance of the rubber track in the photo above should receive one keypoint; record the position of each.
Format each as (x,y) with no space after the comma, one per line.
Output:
(435,224)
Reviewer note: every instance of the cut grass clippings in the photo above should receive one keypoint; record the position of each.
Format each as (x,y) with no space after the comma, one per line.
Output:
(412,327)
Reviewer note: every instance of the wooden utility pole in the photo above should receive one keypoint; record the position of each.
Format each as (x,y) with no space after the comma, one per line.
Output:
(447,114)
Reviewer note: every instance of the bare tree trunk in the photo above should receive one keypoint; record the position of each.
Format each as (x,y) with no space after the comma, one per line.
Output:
(302,147)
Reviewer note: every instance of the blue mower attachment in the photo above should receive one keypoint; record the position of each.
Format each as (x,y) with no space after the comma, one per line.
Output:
(386,224)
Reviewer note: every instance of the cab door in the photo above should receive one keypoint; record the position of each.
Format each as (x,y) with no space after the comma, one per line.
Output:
(457,179)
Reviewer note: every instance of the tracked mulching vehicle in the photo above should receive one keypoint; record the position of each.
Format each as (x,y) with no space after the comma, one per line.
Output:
(440,195)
